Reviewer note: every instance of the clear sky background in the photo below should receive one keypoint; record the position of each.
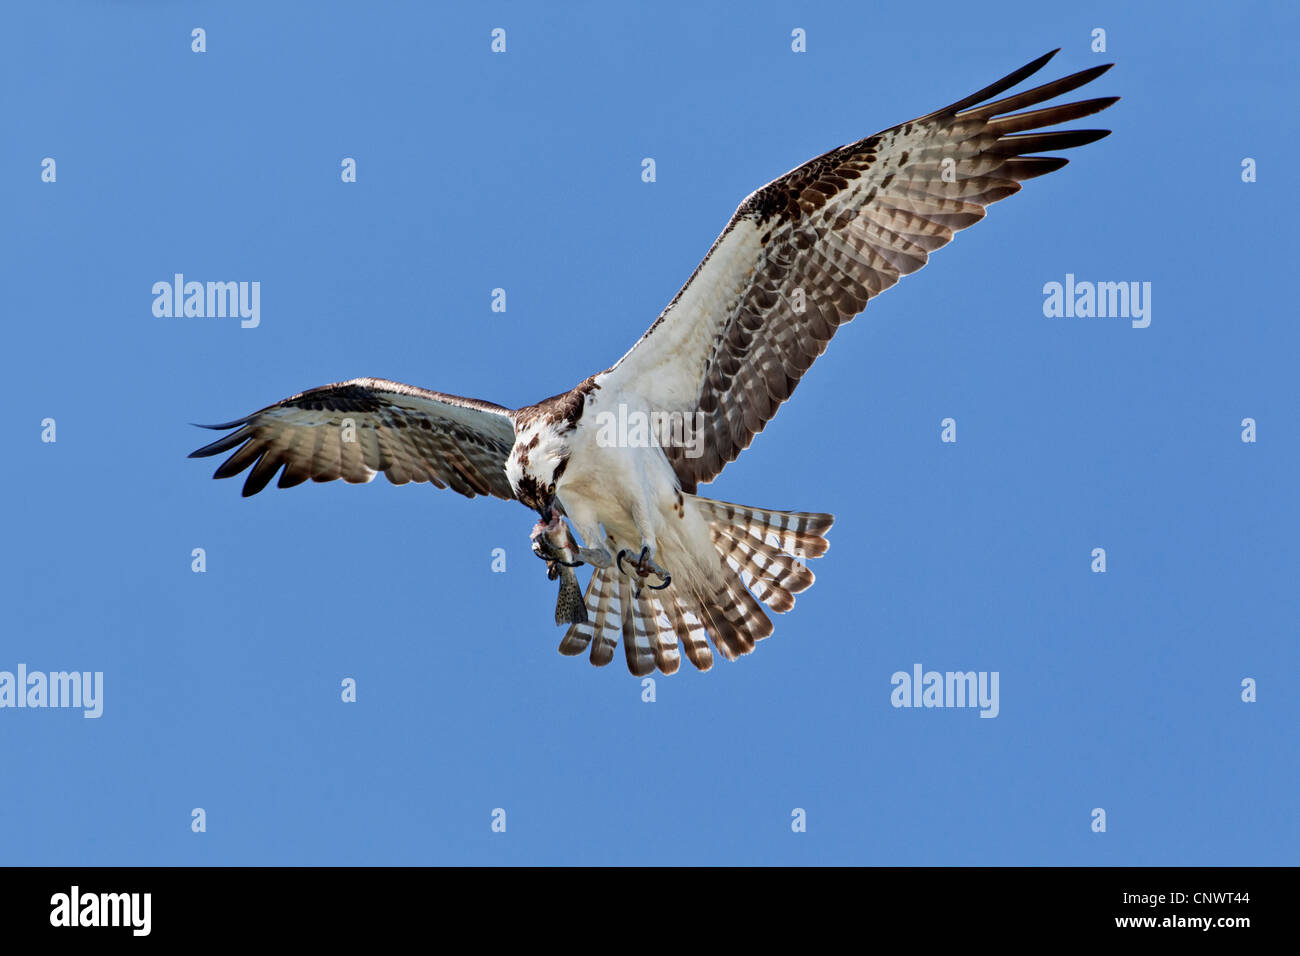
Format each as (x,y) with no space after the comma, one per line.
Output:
(523,171)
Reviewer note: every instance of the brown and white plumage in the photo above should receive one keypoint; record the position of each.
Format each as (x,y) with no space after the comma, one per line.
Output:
(800,257)
(408,433)
(841,228)
(765,549)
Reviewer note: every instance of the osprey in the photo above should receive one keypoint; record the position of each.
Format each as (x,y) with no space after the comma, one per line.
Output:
(800,257)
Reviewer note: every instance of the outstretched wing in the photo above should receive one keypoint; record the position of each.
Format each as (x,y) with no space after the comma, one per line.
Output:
(354,430)
(805,253)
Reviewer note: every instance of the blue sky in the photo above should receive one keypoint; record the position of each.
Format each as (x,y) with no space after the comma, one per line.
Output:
(522,171)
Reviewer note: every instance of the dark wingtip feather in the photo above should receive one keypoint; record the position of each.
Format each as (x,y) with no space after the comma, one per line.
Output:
(1041,142)
(1031,97)
(1039,119)
(264,469)
(216,448)
(1031,167)
(1000,86)
(291,479)
(1086,76)
(221,444)
(224,443)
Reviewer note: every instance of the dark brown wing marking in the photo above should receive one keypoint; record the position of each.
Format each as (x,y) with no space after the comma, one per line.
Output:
(354,430)
(804,254)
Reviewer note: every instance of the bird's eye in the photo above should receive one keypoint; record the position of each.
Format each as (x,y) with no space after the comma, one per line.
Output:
(551,489)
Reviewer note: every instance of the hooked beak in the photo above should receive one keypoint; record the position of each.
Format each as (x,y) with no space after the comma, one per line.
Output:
(547,511)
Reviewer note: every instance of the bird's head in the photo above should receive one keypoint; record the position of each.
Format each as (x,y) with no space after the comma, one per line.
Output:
(535,466)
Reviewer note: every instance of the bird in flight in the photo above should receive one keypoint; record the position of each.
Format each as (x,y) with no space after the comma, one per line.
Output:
(622,454)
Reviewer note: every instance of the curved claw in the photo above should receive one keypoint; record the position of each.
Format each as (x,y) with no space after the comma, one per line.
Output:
(643,574)
(569,564)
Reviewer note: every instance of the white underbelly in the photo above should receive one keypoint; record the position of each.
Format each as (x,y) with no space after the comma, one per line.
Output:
(633,492)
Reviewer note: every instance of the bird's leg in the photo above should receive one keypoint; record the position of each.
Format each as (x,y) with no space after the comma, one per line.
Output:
(643,516)
(596,557)
(644,567)
(592,553)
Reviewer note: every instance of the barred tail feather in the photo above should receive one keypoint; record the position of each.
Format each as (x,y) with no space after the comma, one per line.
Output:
(739,620)
(654,627)
(759,550)
(604,614)
(767,548)
(690,633)
(638,626)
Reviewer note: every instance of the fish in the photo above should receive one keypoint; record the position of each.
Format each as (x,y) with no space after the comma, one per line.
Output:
(553,543)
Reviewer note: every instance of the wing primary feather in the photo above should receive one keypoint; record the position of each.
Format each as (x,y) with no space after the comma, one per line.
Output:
(1037,95)
(224,443)
(993,89)
(355,429)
